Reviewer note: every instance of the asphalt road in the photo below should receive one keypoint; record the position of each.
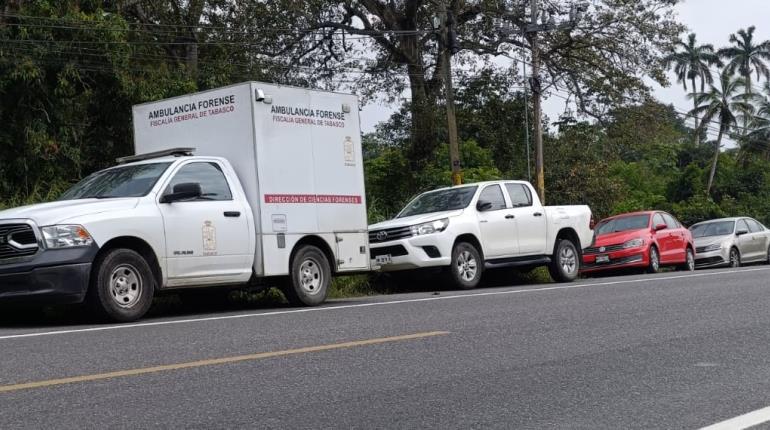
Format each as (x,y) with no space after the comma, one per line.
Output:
(668,351)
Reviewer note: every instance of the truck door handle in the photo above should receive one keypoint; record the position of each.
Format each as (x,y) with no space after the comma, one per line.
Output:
(232,214)
(537,214)
(510,216)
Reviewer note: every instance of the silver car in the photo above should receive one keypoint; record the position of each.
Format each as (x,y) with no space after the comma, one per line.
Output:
(730,242)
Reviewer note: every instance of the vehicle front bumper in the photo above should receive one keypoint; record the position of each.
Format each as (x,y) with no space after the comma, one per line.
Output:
(52,277)
(622,259)
(720,257)
(414,252)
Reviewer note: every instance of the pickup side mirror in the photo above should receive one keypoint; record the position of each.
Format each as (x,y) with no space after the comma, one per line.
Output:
(659,227)
(741,232)
(483,206)
(183,191)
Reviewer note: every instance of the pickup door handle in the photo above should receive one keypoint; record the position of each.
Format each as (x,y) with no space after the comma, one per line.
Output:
(232,214)
(510,216)
(538,214)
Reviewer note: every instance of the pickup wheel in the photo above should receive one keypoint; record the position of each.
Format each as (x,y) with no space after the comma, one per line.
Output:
(122,286)
(565,264)
(467,266)
(309,278)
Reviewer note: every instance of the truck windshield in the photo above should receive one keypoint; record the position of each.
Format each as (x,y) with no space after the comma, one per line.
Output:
(128,181)
(721,228)
(439,201)
(624,223)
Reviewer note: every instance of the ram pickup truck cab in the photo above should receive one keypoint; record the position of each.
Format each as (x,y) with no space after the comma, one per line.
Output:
(467,229)
(272,194)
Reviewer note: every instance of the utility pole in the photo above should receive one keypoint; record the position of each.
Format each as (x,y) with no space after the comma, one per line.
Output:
(537,122)
(448,45)
(526,121)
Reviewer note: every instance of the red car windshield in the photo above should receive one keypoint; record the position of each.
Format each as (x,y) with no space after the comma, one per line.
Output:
(624,223)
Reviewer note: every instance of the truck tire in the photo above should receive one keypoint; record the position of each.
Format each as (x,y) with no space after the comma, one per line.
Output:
(309,277)
(122,286)
(467,266)
(565,264)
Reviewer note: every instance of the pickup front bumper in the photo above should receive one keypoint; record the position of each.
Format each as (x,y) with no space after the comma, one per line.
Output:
(52,277)
(434,250)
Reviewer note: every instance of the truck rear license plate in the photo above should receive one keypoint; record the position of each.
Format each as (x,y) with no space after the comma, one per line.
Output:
(602,258)
(383,259)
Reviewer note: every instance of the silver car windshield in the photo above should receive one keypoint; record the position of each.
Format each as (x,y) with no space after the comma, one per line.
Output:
(709,229)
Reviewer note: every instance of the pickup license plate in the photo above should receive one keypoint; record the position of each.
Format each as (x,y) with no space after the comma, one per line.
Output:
(602,259)
(383,259)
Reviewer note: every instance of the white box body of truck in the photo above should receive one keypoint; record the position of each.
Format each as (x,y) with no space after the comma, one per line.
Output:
(297,154)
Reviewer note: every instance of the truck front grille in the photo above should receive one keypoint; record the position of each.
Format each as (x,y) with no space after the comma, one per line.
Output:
(379,236)
(17,241)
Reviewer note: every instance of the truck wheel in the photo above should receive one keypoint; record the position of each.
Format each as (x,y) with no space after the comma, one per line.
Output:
(309,278)
(565,264)
(467,266)
(122,286)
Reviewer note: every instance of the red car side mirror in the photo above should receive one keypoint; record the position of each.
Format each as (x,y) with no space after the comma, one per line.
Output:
(659,227)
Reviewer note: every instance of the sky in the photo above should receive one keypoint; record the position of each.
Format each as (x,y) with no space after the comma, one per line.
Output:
(712,20)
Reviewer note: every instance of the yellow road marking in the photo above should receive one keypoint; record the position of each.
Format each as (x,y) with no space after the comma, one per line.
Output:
(214,362)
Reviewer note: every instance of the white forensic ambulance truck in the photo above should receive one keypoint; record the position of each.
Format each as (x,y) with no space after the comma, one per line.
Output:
(243,185)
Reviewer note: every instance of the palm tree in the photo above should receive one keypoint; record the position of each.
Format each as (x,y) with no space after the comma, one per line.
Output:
(724,106)
(758,140)
(692,62)
(746,58)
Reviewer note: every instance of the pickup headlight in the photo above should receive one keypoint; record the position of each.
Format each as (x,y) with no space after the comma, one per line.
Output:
(633,243)
(430,227)
(66,236)
(713,247)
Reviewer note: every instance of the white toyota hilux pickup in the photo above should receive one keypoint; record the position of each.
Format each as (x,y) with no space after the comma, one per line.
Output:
(473,227)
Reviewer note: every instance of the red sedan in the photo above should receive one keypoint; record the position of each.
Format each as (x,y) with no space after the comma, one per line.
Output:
(640,240)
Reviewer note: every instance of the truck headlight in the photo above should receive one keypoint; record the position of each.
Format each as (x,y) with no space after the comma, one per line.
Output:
(633,243)
(66,236)
(713,247)
(430,227)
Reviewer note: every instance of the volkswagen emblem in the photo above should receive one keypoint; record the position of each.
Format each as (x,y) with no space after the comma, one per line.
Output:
(602,249)
(381,236)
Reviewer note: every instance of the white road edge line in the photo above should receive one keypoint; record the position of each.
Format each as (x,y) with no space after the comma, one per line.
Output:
(363,305)
(745,421)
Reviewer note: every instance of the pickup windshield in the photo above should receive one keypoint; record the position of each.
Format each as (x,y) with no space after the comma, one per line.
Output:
(709,229)
(127,181)
(624,223)
(439,201)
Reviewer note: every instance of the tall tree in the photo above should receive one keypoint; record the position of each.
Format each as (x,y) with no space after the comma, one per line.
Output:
(387,48)
(723,105)
(692,62)
(747,57)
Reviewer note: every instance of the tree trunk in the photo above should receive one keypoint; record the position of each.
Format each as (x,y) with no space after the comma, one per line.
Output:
(425,119)
(695,115)
(714,163)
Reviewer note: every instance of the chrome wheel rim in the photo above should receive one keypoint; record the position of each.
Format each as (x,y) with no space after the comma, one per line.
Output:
(568,259)
(467,266)
(654,260)
(125,286)
(310,276)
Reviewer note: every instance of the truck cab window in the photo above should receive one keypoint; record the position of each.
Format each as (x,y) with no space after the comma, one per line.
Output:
(519,194)
(493,194)
(210,177)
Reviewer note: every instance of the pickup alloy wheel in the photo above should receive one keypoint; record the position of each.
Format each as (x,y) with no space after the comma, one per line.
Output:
(565,264)
(467,266)
(122,286)
(309,278)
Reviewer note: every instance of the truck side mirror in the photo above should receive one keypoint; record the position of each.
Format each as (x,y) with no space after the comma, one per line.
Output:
(741,232)
(483,206)
(183,191)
